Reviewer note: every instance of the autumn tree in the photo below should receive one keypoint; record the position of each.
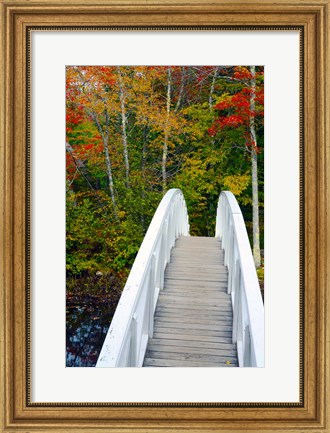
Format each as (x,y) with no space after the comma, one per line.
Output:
(122,98)
(89,95)
(242,111)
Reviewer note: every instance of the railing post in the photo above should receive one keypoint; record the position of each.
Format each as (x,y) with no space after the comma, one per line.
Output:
(133,343)
(247,346)
(180,211)
(163,255)
(151,293)
(172,231)
(239,329)
(236,302)
(165,240)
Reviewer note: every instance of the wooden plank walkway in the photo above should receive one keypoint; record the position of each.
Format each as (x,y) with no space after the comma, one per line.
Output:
(193,317)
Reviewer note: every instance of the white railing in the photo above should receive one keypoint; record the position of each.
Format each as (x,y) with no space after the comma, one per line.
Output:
(243,284)
(132,324)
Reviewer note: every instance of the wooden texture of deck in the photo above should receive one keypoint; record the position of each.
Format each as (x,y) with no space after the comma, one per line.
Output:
(193,317)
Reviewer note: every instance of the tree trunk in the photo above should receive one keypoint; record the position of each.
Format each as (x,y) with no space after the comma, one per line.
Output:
(80,165)
(143,170)
(183,79)
(123,123)
(254,160)
(212,89)
(105,139)
(110,177)
(167,130)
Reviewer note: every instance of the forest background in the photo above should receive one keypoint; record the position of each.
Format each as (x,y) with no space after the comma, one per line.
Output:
(133,132)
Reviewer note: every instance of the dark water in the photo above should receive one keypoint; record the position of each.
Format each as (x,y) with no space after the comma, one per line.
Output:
(88,318)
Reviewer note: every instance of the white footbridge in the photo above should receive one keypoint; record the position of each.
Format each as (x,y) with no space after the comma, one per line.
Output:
(189,301)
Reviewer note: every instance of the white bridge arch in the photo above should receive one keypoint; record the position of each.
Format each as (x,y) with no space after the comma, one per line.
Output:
(189,301)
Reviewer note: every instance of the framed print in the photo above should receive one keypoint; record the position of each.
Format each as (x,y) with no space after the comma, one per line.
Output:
(105,107)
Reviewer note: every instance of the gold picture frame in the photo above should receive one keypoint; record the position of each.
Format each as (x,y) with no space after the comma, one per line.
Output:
(311,414)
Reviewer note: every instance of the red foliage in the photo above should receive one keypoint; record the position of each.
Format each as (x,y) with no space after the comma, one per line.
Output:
(224,105)
(231,121)
(212,131)
(235,110)
(242,74)
(73,117)
(70,166)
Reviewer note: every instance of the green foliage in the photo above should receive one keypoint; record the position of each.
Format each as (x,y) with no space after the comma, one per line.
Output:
(95,240)
(261,273)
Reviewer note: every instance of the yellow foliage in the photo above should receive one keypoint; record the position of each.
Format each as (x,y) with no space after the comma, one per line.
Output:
(237,183)
(223,97)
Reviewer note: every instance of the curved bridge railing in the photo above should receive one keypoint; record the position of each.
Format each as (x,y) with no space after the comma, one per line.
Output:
(243,284)
(132,325)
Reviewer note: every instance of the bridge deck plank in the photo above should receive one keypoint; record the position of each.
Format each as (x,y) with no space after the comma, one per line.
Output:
(193,318)
(158,342)
(209,338)
(156,362)
(194,315)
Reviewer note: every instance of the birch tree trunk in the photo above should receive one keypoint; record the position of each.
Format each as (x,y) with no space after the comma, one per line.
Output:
(143,169)
(167,130)
(212,89)
(123,123)
(183,79)
(254,161)
(105,140)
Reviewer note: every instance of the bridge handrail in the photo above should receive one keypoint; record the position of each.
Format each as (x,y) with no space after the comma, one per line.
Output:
(132,324)
(243,284)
